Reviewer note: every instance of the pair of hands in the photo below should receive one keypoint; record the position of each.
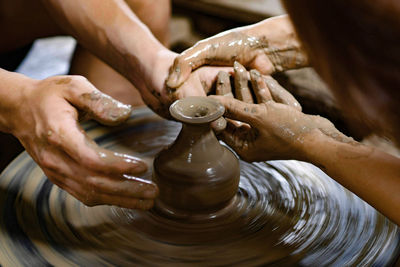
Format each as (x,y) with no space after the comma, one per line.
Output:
(44,116)
(265,123)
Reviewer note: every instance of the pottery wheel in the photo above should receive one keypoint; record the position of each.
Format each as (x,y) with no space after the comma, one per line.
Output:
(285,213)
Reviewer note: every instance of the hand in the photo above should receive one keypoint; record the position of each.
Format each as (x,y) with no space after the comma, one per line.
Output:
(158,96)
(45,120)
(273,129)
(269,46)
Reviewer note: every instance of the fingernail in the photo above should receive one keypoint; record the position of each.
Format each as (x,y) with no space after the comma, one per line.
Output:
(174,77)
(255,74)
(237,66)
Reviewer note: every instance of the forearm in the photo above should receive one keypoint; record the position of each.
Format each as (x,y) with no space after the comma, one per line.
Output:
(112,32)
(12,86)
(371,174)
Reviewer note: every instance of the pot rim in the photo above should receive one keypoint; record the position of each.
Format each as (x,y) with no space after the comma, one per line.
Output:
(196,110)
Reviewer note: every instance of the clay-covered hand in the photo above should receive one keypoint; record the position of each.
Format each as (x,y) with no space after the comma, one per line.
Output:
(45,120)
(158,96)
(273,129)
(268,46)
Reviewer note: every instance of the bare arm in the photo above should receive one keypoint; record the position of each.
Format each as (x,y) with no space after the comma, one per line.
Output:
(368,172)
(110,30)
(269,46)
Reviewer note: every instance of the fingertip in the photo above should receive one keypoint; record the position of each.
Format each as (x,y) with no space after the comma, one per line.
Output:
(172,80)
(143,204)
(237,66)
(178,73)
(218,125)
(147,204)
(219,98)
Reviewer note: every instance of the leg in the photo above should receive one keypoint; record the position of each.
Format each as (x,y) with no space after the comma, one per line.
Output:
(156,15)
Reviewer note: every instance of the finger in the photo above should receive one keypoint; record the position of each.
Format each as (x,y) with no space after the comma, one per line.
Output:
(242,90)
(71,139)
(238,110)
(236,123)
(223,86)
(260,89)
(235,136)
(125,202)
(182,67)
(218,125)
(91,197)
(280,94)
(59,162)
(128,186)
(159,103)
(189,60)
(200,82)
(103,108)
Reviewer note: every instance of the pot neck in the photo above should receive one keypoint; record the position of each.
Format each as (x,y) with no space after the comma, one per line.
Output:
(199,137)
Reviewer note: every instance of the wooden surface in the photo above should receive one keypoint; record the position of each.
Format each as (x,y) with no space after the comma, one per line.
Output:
(246,11)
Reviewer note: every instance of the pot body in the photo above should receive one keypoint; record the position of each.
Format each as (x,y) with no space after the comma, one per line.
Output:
(196,174)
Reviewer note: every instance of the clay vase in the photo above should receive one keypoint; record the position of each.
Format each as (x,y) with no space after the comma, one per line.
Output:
(196,175)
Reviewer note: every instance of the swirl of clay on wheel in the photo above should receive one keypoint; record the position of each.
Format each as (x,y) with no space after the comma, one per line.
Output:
(285,212)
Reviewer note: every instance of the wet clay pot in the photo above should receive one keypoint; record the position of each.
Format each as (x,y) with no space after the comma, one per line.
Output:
(196,175)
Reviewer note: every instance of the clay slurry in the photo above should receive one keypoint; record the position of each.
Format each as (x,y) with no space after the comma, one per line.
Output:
(285,213)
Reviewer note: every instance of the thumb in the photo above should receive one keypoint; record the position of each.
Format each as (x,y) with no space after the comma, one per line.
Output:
(99,106)
(238,110)
(189,60)
(179,72)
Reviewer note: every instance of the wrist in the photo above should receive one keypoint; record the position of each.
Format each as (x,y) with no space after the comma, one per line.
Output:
(274,29)
(323,150)
(280,37)
(157,70)
(313,147)
(12,94)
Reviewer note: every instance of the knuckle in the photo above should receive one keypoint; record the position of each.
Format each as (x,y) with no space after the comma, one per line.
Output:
(79,79)
(89,161)
(46,160)
(94,182)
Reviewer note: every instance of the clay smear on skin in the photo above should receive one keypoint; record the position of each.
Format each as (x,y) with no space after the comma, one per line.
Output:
(105,109)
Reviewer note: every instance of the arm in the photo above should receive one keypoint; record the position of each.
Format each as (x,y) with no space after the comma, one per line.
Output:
(371,174)
(43,115)
(269,46)
(111,31)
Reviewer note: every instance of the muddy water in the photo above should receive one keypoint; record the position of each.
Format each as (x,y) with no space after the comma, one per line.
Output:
(286,213)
